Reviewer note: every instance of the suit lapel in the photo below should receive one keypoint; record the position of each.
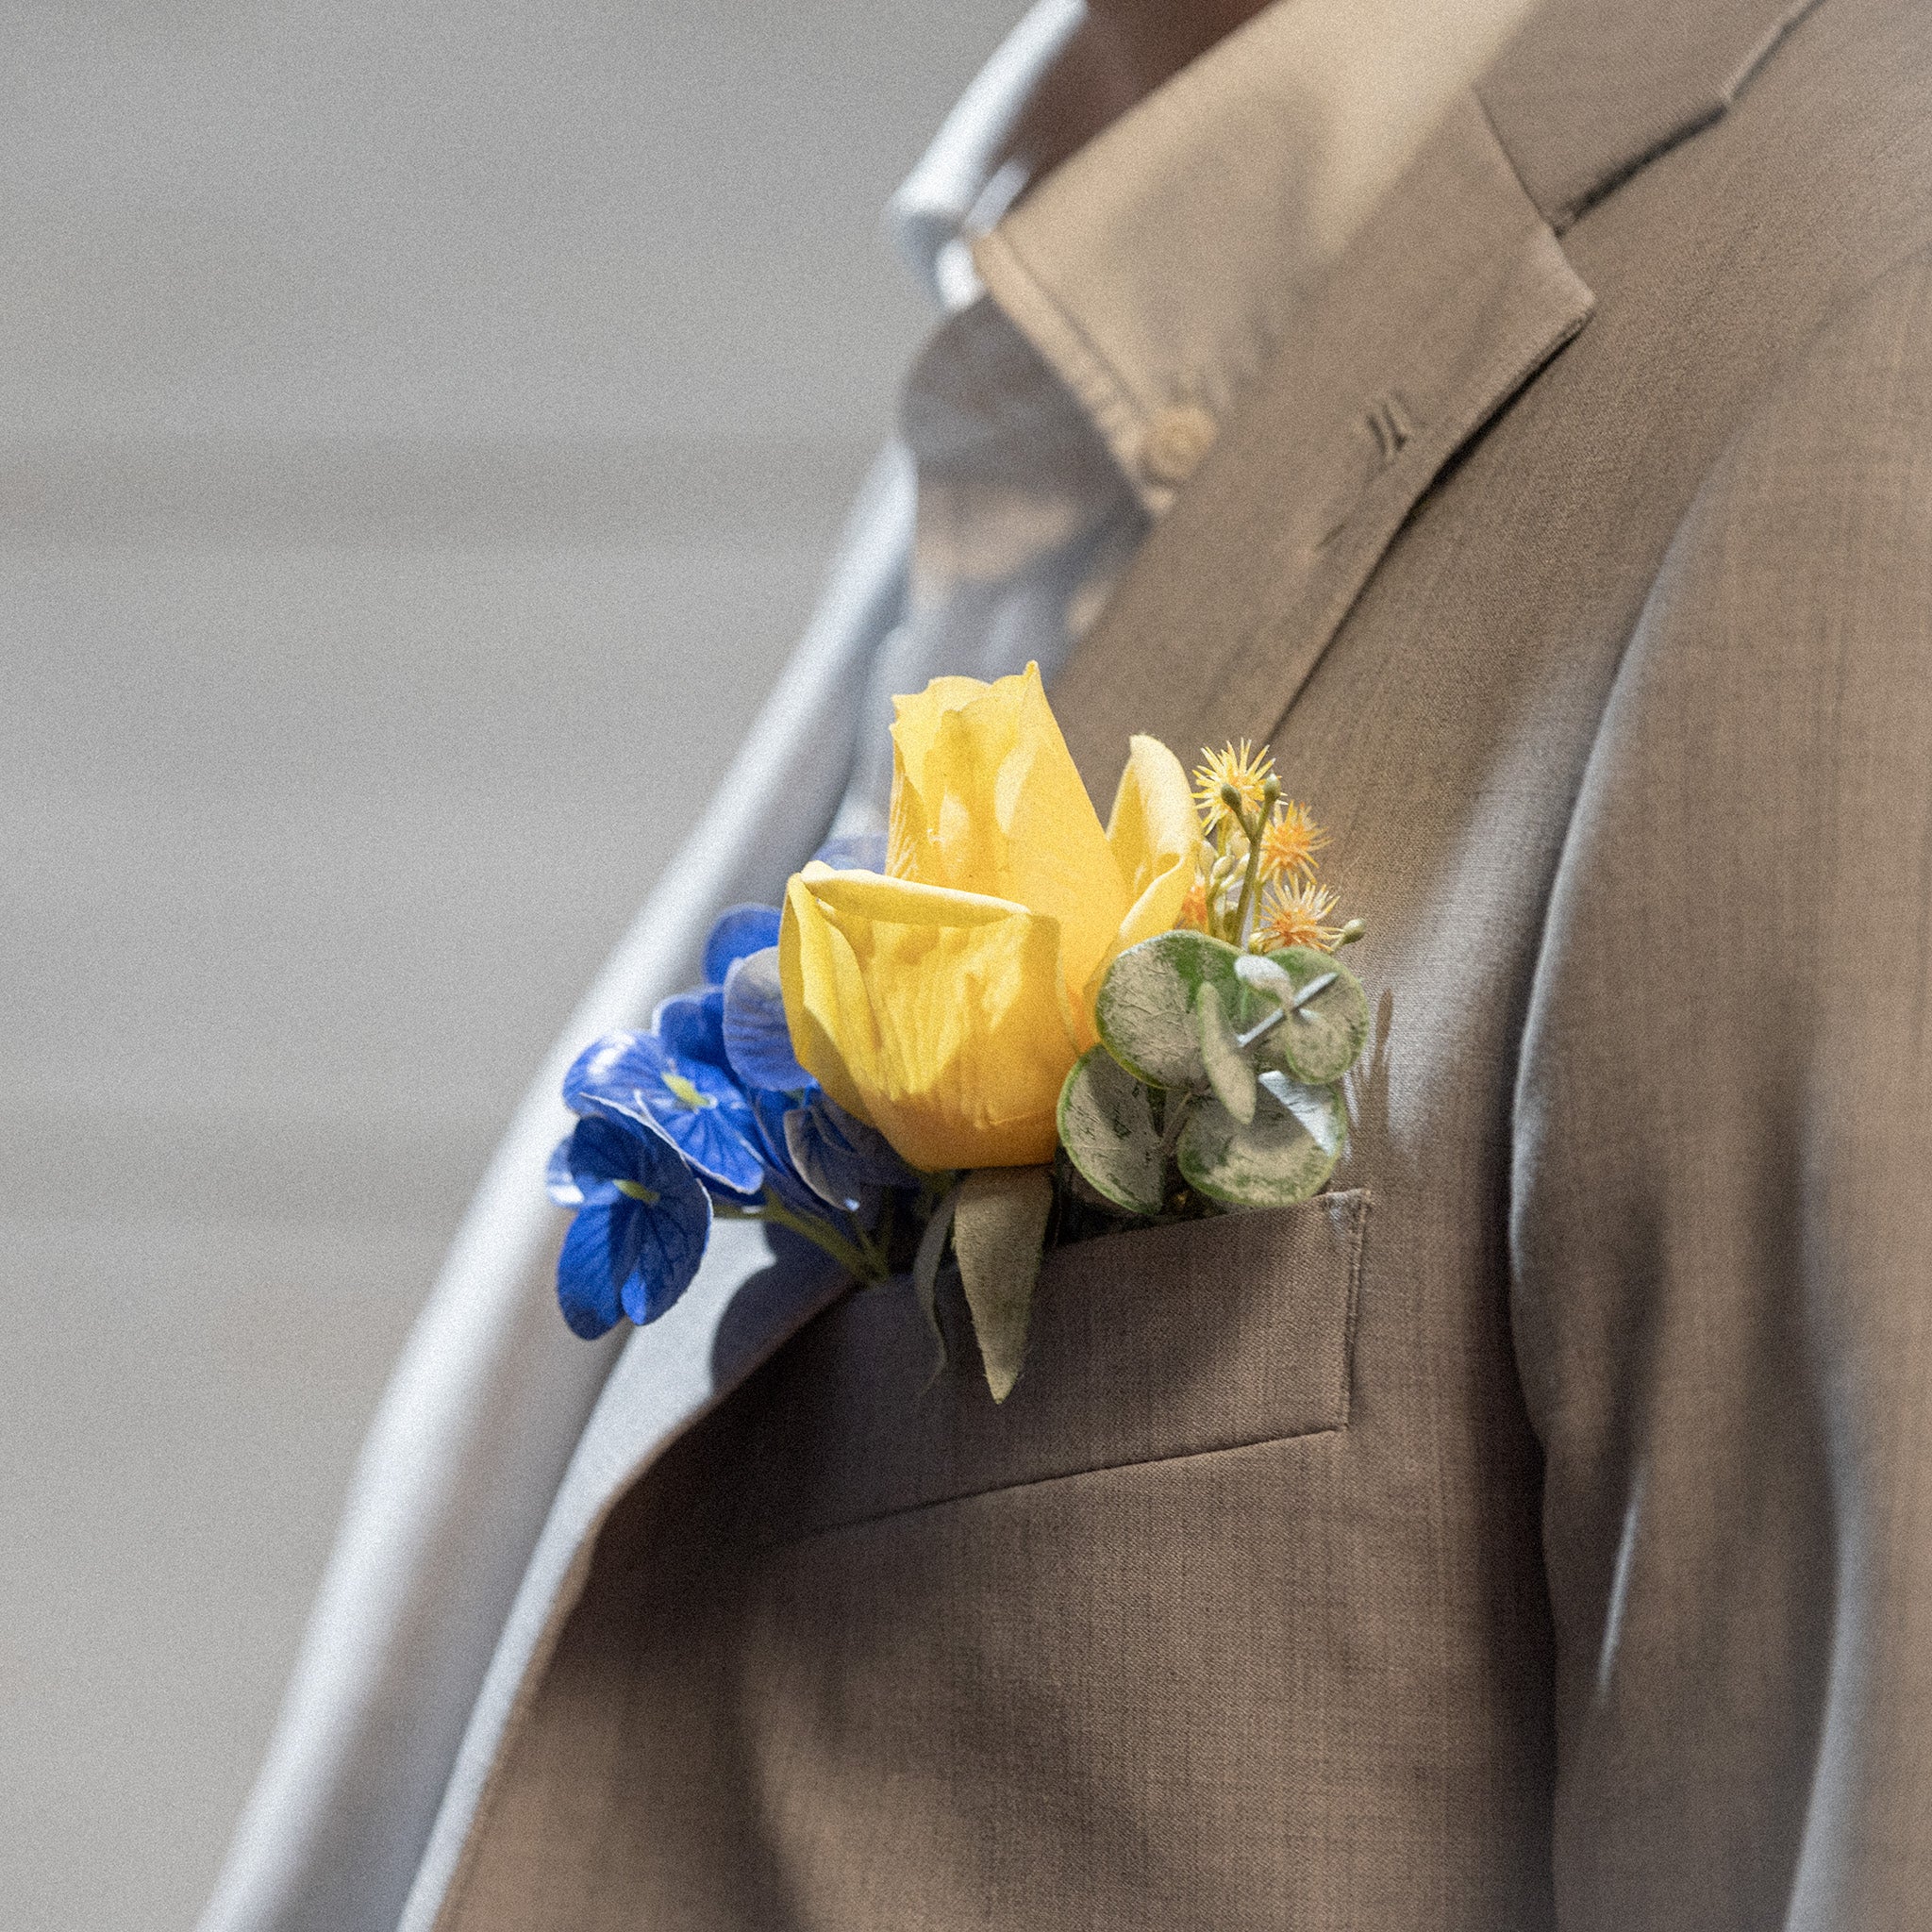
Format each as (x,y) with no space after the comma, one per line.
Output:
(1446,305)
(733,1318)
(1588,93)
(1452,297)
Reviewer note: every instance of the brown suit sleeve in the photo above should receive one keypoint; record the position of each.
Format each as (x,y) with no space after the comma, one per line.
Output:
(1722,1214)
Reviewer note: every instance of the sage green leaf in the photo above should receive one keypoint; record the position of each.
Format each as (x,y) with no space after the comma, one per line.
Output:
(1106,1126)
(1280,1156)
(999,1228)
(926,1269)
(1318,1108)
(1326,1022)
(1229,1071)
(1145,1011)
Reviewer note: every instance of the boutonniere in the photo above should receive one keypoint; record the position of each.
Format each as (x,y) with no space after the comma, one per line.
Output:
(1001,1027)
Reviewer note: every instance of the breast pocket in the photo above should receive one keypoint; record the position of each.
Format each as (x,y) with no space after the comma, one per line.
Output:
(1160,1342)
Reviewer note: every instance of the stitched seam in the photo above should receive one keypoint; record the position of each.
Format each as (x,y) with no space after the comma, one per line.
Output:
(1774,37)
(1359,1200)
(1355,1283)
(1503,149)
(1573,211)
(1040,1482)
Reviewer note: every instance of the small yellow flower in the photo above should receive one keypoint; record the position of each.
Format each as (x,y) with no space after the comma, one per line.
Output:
(1298,915)
(1240,768)
(1194,913)
(1289,844)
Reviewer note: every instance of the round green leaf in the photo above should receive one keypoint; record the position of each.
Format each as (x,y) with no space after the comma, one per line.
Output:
(1281,1157)
(1230,1074)
(1106,1126)
(1145,1010)
(1324,1032)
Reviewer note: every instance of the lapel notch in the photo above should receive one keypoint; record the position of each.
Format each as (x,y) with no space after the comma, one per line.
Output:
(1453,297)
(1587,92)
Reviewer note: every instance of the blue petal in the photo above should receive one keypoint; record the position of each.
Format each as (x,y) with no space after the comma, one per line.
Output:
(558,1181)
(838,1157)
(610,1075)
(691,1025)
(720,1144)
(802,1140)
(757,1042)
(603,1150)
(667,1242)
(624,1077)
(769,1110)
(591,1271)
(853,852)
(739,930)
(624,1256)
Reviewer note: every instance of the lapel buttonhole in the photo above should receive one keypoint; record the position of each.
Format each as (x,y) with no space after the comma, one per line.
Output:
(1384,430)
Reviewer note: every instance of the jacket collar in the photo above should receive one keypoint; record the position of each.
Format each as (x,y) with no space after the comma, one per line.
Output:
(1441,306)
(1157,270)
(1588,93)
(1451,298)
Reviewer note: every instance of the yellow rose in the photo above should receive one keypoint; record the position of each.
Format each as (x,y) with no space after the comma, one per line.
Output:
(945,1001)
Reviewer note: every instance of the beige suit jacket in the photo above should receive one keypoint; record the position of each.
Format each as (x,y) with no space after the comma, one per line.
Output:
(1536,1531)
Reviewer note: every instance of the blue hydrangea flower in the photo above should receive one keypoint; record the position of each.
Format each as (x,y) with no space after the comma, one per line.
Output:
(844,1162)
(738,930)
(853,852)
(711,1103)
(636,1077)
(757,1042)
(691,1025)
(641,1223)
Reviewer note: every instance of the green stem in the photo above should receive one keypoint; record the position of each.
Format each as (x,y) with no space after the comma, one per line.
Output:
(862,1264)
(1252,877)
(877,1244)
(1217,894)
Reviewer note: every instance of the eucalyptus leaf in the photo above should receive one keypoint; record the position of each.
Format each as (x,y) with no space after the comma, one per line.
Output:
(1326,1024)
(1145,1011)
(1316,1107)
(1266,976)
(1106,1126)
(999,1228)
(1229,1073)
(1282,1155)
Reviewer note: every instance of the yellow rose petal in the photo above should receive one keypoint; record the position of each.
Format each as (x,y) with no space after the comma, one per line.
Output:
(1154,836)
(937,1015)
(986,799)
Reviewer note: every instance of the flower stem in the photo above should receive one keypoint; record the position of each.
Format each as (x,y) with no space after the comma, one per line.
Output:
(876,1243)
(863,1265)
(1270,791)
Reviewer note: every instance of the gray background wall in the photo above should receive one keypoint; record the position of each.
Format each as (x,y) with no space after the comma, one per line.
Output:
(422,425)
